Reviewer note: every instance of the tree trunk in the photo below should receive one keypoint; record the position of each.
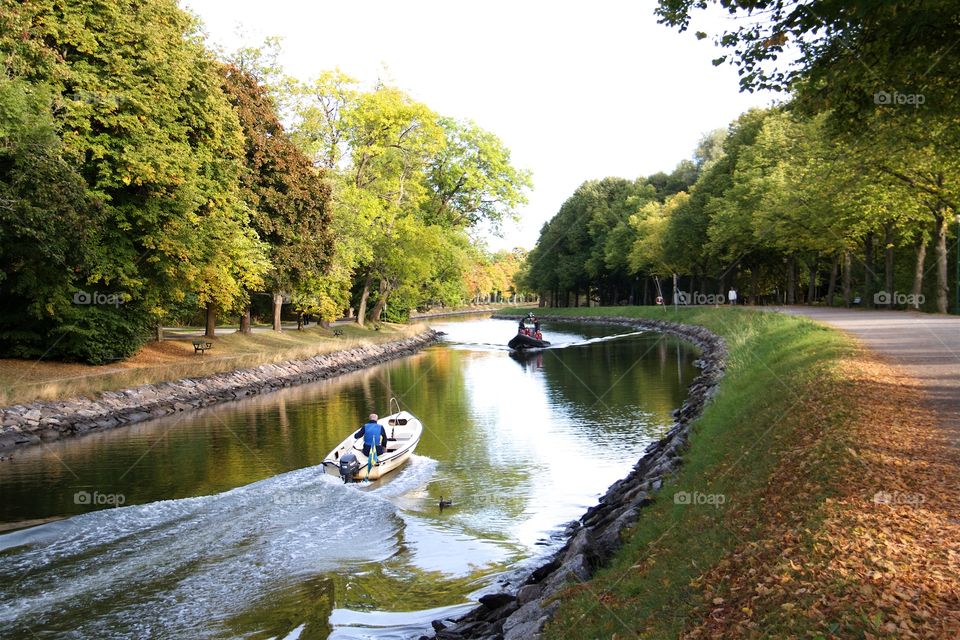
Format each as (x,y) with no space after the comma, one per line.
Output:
(277,307)
(158,332)
(812,286)
(846,277)
(245,321)
(791,280)
(211,321)
(918,270)
(868,268)
(754,285)
(832,286)
(888,239)
(362,309)
(941,253)
(381,301)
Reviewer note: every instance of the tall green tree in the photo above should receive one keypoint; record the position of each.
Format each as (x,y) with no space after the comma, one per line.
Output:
(470,179)
(141,116)
(289,199)
(49,229)
(401,171)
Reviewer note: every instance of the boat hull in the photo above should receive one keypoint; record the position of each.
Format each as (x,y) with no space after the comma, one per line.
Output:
(404,431)
(519,342)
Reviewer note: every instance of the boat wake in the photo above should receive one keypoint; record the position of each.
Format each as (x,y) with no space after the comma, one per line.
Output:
(580,343)
(178,568)
(494,335)
(557,341)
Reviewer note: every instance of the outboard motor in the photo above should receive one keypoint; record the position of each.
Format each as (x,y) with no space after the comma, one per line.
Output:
(349,465)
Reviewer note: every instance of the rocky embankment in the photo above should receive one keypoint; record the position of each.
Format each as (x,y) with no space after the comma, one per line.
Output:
(28,424)
(596,536)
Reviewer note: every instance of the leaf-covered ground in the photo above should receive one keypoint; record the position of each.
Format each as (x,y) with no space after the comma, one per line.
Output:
(884,561)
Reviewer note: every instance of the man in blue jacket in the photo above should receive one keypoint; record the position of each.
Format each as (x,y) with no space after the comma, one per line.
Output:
(373,434)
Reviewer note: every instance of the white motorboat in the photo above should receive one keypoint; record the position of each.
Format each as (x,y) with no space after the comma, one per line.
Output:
(348,462)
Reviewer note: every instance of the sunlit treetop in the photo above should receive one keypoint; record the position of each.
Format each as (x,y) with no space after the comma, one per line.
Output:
(847,55)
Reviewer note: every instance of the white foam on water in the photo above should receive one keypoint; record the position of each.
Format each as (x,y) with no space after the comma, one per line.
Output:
(355,625)
(149,570)
(416,472)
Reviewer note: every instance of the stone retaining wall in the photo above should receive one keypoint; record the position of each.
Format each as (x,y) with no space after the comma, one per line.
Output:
(596,536)
(28,424)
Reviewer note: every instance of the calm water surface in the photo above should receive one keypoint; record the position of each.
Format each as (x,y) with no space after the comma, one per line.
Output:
(221,523)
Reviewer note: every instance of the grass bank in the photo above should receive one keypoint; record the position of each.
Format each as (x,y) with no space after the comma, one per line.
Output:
(772,528)
(174,358)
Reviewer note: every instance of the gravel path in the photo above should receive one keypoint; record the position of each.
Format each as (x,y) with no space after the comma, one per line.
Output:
(926,346)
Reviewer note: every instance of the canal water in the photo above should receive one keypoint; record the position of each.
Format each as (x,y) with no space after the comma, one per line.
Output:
(221,523)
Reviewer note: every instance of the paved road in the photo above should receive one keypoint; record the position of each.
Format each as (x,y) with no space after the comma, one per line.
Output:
(926,346)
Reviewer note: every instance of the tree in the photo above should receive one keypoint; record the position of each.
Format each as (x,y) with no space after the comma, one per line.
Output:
(583,250)
(919,158)
(391,140)
(141,116)
(471,180)
(49,230)
(401,171)
(846,52)
(692,246)
(884,75)
(651,224)
(289,200)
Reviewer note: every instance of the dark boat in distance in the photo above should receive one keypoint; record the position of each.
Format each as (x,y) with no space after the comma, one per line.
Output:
(528,336)
(520,342)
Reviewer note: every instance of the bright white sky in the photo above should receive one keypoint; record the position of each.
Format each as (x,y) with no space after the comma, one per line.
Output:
(576,90)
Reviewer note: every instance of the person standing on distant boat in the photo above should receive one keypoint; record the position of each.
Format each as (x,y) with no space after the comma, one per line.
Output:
(536,326)
(374,436)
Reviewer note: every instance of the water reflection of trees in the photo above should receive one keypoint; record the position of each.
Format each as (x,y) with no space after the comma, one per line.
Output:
(306,606)
(638,377)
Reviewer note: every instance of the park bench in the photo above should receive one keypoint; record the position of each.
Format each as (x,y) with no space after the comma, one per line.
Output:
(200,346)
